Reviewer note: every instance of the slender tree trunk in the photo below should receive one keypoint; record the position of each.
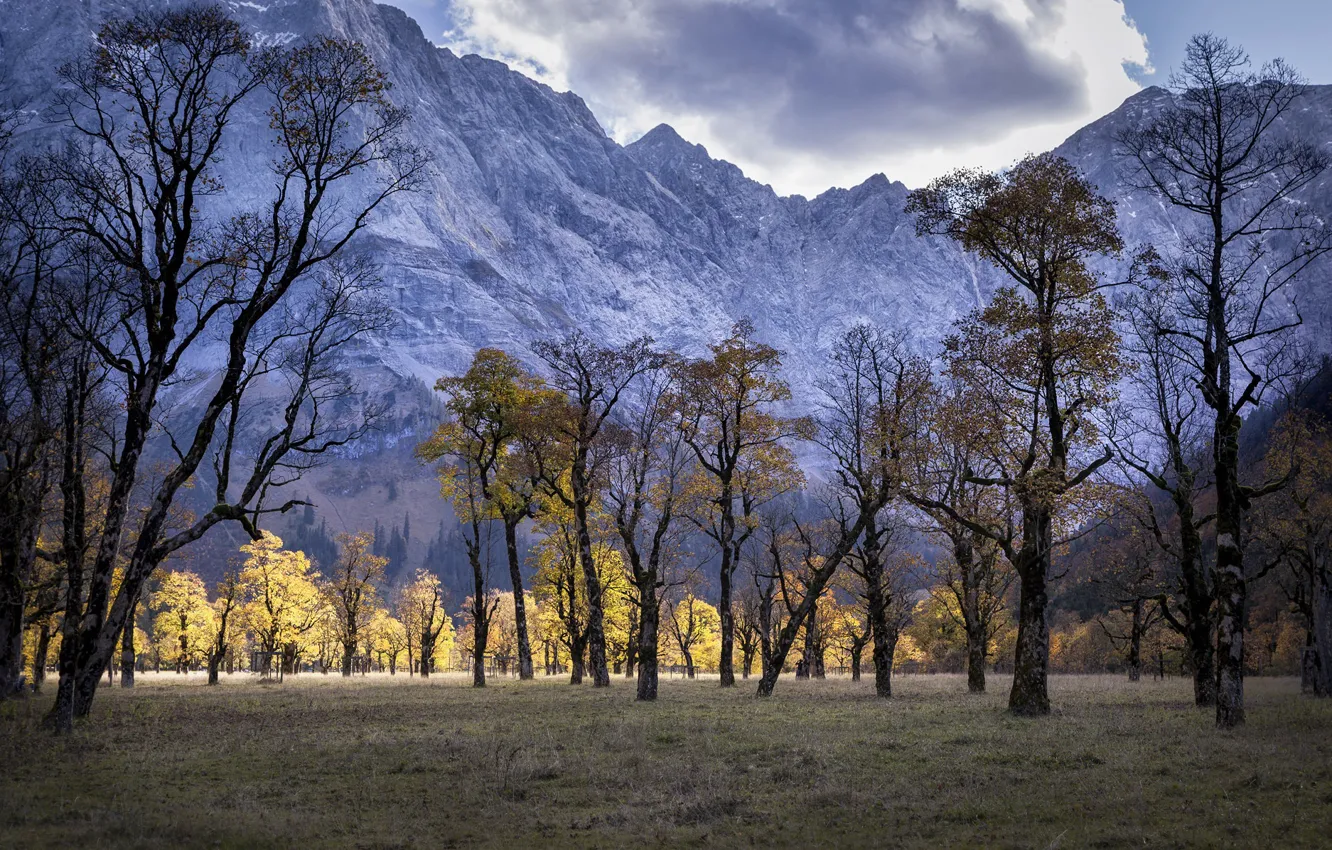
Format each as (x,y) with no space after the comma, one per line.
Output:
(726,665)
(525,670)
(649,625)
(1135,643)
(39,657)
(127,653)
(427,648)
(856,653)
(480,637)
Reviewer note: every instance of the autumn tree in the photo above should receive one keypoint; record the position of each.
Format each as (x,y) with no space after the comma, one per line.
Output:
(182,617)
(1131,579)
(422,612)
(1041,360)
(727,408)
(228,598)
(352,591)
(972,574)
(493,409)
(593,379)
(152,105)
(1217,153)
(282,598)
(691,625)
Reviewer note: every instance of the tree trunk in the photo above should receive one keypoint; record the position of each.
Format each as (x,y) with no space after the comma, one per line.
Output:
(525,670)
(649,625)
(976,654)
(12,606)
(1231,586)
(348,653)
(856,653)
(127,654)
(576,670)
(427,652)
(689,663)
(1135,644)
(39,657)
(1321,650)
(726,666)
(596,631)
(1030,696)
(480,637)
(877,611)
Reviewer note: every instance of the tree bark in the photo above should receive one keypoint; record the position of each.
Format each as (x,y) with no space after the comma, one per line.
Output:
(1030,696)
(596,630)
(525,670)
(39,656)
(649,625)
(1321,666)
(12,606)
(127,653)
(1231,585)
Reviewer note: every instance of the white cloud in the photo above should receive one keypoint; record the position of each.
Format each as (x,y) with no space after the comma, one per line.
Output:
(807,94)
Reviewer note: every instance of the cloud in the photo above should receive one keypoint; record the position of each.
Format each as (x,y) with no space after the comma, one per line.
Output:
(805,94)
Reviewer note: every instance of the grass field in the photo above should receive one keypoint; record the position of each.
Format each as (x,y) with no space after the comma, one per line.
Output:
(393,762)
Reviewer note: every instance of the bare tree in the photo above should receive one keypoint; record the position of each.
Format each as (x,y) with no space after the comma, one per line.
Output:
(151,104)
(1216,152)
(873,407)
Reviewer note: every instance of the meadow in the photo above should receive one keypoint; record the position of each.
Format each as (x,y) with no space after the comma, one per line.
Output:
(380,761)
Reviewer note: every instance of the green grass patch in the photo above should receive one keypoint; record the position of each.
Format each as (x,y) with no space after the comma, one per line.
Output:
(394,762)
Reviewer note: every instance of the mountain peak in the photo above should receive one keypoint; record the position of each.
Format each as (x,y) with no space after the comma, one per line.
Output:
(663,137)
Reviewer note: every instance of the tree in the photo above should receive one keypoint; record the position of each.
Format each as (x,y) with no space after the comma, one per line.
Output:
(1040,361)
(182,617)
(647,471)
(871,415)
(1131,576)
(226,605)
(1217,152)
(726,409)
(152,104)
(1165,443)
(561,587)
(1298,526)
(593,378)
(973,574)
(352,591)
(488,405)
(693,624)
(422,612)
(282,598)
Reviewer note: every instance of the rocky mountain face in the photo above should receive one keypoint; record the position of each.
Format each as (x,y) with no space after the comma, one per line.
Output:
(534,222)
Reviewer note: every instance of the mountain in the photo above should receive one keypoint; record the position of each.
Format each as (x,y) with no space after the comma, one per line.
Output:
(535,222)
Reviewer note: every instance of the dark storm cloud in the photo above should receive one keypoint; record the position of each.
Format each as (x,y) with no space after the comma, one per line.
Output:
(832,76)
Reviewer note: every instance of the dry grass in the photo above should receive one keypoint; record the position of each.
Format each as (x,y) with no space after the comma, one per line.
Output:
(396,763)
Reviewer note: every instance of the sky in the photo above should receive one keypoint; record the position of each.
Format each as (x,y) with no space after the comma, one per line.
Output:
(810,94)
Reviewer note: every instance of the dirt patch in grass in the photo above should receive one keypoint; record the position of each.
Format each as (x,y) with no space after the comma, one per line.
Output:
(385,762)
